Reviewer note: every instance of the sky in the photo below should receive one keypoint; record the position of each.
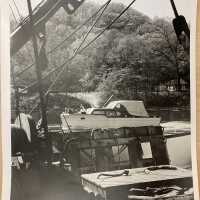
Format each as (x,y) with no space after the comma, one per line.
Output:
(151,8)
(158,8)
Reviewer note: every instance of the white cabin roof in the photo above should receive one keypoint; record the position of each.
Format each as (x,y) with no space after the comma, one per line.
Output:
(135,108)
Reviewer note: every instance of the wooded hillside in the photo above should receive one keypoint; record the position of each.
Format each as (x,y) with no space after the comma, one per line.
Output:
(130,60)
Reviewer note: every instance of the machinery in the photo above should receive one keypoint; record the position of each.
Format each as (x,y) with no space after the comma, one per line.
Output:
(41,14)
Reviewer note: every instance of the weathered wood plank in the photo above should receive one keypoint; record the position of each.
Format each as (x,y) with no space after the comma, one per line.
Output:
(137,175)
(159,150)
(104,158)
(117,187)
(135,154)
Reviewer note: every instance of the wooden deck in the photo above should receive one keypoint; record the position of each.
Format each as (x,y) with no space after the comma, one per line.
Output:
(114,187)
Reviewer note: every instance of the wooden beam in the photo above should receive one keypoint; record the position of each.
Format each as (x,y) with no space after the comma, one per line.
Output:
(104,158)
(135,154)
(87,144)
(39,79)
(159,151)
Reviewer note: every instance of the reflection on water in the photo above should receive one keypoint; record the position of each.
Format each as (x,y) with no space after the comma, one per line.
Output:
(171,114)
(179,150)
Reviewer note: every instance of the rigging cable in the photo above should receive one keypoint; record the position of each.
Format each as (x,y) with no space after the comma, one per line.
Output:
(97,19)
(74,55)
(18,23)
(78,49)
(26,19)
(81,50)
(13,14)
(87,45)
(17,9)
(79,27)
(67,38)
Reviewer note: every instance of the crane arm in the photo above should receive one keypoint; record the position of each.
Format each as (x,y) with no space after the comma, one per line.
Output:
(41,15)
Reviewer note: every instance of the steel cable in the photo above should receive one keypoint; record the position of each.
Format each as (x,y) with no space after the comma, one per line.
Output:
(67,38)
(17,9)
(81,50)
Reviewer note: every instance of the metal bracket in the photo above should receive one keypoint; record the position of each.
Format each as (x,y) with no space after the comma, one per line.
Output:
(71,6)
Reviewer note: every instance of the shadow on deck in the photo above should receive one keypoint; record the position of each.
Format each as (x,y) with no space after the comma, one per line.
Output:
(46,184)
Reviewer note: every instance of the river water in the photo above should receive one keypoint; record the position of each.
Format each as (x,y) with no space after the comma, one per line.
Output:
(171,113)
(179,149)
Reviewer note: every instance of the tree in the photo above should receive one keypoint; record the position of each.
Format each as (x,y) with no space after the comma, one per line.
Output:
(130,59)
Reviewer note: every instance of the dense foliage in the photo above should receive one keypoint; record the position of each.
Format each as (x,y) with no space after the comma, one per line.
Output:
(130,60)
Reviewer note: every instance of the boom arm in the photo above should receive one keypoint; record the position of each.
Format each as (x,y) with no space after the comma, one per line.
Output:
(41,15)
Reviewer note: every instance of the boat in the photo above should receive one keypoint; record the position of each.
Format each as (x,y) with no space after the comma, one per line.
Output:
(117,114)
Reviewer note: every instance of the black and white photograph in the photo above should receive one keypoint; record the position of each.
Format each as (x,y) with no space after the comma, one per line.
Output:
(101,100)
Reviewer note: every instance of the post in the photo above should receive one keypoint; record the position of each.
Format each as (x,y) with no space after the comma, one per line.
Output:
(159,146)
(174,8)
(134,154)
(39,78)
(104,158)
(16,91)
(75,159)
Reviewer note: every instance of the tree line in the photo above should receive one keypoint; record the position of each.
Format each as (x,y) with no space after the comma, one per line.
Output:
(130,60)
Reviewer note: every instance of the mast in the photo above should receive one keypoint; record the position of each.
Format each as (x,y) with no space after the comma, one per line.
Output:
(39,79)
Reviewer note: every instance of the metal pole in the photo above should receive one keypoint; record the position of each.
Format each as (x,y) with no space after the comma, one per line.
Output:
(16,91)
(17,98)
(39,78)
(16,94)
(174,8)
